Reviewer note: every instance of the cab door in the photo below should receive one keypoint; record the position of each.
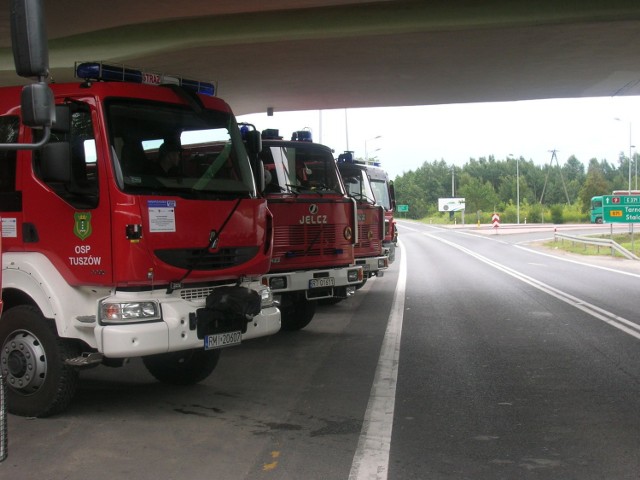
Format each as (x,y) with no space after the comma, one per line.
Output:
(67,213)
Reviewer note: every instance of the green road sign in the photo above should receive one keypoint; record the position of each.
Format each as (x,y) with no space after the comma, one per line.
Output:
(616,200)
(402,208)
(621,208)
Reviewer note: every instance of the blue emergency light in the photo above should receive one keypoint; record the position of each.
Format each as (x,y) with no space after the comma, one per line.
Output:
(271,134)
(302,136)
(114,73)
(346,157)
(100,71)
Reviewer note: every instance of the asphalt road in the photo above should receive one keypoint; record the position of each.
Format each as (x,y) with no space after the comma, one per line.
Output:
(510,366)
(494,360)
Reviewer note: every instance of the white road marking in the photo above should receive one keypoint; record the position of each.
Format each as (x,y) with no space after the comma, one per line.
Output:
(610,318)
(371,460)
(577,262)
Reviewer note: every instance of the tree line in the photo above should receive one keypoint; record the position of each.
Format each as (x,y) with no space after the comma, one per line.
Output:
(555,192)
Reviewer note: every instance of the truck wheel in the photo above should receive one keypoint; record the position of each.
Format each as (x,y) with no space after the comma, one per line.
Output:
(297,314)
(599,220)
(32,362)
(182,368)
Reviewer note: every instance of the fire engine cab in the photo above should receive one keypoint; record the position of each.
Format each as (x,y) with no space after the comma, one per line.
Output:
(315,226)
(385,196)
(109,253)
(371,217)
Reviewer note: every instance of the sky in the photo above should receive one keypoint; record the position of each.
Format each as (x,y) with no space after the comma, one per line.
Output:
(403,138)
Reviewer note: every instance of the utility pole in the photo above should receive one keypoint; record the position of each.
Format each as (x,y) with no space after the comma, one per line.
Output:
(554,156)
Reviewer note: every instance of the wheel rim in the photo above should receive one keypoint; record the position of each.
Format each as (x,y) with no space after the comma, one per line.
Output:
(23,361)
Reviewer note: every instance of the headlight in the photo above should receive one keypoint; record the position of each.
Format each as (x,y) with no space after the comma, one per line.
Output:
(278,283)
(266,298)
(132,312)
(354,275)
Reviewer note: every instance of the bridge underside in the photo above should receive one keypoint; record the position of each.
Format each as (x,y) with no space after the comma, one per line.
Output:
(323,54)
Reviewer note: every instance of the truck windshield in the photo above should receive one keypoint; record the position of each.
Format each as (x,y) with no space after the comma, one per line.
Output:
(299,169)
(172,150)
(381,192)
(358,185)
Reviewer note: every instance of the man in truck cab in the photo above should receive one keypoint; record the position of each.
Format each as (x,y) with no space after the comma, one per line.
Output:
(168,163)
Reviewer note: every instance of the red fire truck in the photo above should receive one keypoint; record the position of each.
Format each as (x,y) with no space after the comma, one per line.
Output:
(314,223)
(371,217)
(107,255)
(385,196)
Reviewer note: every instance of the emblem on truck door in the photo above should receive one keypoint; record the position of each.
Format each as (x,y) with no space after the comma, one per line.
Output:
(82,225)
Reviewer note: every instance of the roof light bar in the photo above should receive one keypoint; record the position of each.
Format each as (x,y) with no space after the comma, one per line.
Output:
(114,73)
(302,136)
(120,73)
(347,157)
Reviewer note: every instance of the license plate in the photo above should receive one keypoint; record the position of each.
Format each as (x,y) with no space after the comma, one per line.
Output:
(220,340)
(322,282)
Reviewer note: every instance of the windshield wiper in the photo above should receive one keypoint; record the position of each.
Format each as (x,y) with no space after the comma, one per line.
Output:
(360,196)
(295,189)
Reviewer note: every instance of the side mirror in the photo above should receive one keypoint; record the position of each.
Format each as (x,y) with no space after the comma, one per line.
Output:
(38,105)
(31,57)
(261,176)
(62,120)
(29,38)
(253,142)
(392,194)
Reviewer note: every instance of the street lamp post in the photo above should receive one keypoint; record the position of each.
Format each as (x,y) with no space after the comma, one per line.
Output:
(633,245)
(635,162)
(517,188)
(366,151)
(453,182)
(630,147)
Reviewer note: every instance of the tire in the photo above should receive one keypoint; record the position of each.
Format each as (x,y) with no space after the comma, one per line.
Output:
(599,220)
(297,314)
(39,384)
(182,368)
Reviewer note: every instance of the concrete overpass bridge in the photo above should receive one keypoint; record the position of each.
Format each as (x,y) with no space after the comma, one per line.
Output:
(324,54)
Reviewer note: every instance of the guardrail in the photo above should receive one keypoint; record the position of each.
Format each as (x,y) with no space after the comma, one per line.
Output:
(598,242)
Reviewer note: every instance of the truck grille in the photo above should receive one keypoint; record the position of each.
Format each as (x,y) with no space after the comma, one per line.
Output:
(199,259)
(296,239)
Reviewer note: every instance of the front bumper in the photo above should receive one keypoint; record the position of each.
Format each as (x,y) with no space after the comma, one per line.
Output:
(317,284)
(373,266)
(176,330)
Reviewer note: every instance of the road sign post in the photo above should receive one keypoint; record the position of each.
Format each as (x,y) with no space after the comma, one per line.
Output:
(402,208)
(495,221)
